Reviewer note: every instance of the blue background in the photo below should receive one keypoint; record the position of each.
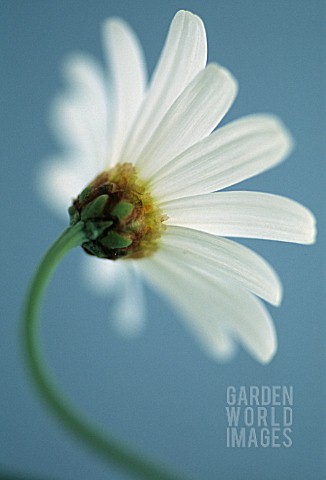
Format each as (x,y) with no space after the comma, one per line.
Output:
(159,392)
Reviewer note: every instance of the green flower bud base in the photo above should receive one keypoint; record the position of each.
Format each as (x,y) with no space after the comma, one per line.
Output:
(120,215)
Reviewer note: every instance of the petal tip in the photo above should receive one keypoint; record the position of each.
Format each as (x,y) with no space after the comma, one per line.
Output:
(265,346)
(309,228)
(115,28)
(285,136)
(265,356)
(224,75)
(313,230)
(187,14)
(276,299)
(282,133)
(113,22)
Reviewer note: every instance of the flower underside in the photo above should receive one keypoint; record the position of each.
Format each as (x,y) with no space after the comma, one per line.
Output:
(120,216)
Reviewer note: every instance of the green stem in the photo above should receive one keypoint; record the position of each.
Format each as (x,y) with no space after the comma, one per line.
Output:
(109,448)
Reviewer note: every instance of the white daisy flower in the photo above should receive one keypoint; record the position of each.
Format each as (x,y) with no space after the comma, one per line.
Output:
(154,167)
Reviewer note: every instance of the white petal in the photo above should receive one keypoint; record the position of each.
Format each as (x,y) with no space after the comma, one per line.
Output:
(121,283)
(213,307)
(210,333)
(192,117)
(183,56)
(244,214)
(60,181)
(219,257)
(129,78)
(238,151)
(80,116)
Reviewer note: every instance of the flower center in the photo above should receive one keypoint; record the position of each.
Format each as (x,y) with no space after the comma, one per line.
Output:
(120,216)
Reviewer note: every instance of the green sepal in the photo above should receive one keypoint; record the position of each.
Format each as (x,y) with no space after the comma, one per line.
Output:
(95,249)
(114,240)
(95,228)
(122,210)
(74,215)
(95,208)
(84,194)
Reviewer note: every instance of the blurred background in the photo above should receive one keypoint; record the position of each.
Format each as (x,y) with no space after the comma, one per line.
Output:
(158,391)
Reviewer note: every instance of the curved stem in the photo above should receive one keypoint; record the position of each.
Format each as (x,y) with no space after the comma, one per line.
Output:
(109,448)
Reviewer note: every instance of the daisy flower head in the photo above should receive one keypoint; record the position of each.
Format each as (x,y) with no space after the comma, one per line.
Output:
(145,167)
